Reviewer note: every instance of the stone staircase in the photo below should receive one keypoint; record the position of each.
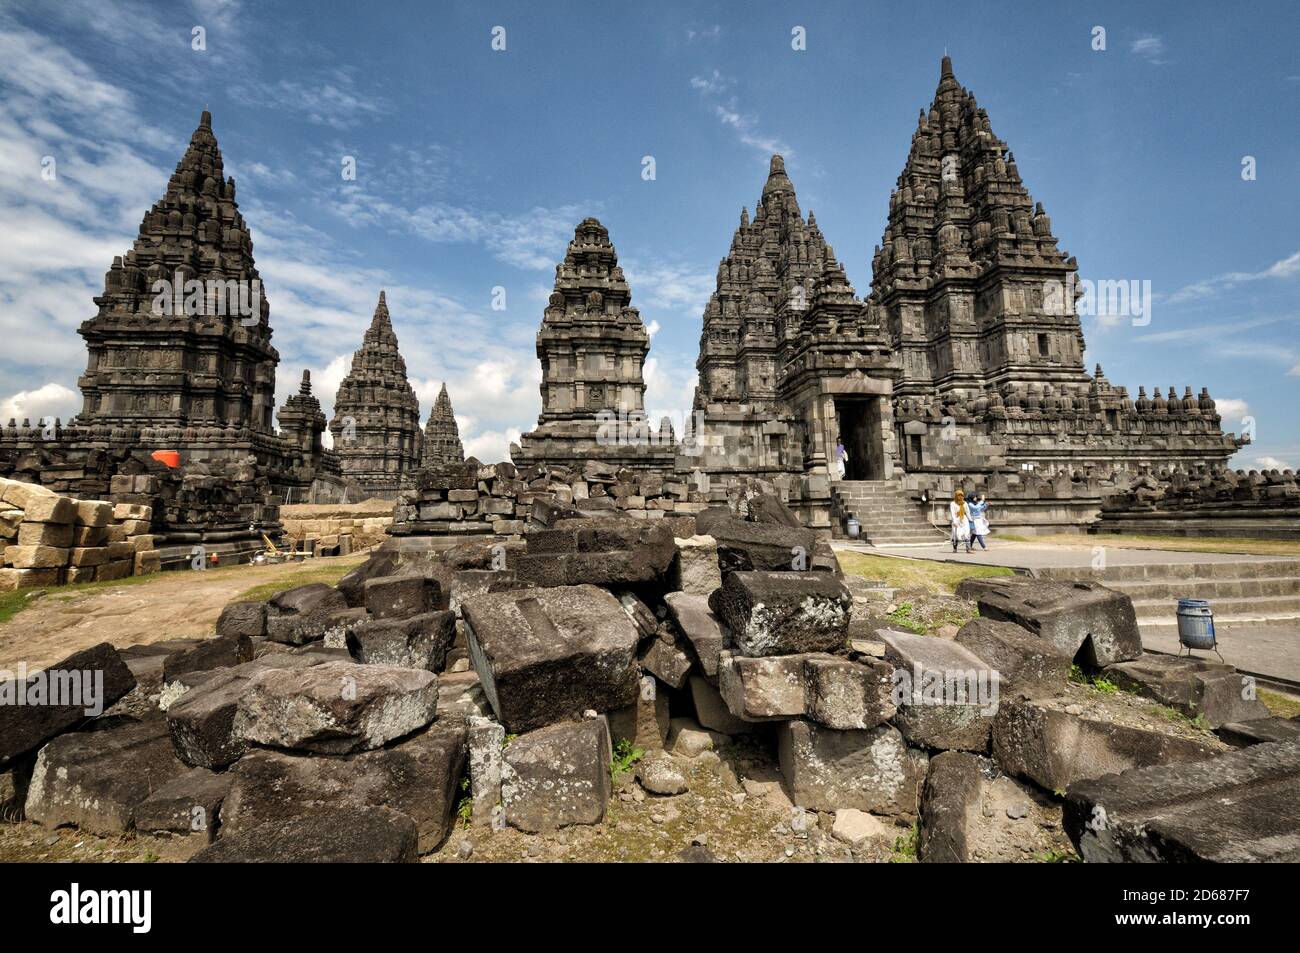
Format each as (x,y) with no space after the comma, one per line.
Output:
(888,516)
(1263,590)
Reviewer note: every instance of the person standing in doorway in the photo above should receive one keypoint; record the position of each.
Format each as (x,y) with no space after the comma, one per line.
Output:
(959,519)
(979,521)
(841,458)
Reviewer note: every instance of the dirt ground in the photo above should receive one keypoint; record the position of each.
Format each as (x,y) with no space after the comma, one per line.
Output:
(171,605)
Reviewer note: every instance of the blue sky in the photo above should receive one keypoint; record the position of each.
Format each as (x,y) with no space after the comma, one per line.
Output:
(473,167)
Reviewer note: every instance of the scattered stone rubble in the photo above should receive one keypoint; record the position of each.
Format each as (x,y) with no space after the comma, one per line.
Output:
(49,540)
(529,684)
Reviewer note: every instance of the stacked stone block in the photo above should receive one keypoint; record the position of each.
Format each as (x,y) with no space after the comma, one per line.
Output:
(51,540)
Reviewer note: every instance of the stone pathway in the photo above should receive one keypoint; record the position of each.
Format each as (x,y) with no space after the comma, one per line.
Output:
(170,605)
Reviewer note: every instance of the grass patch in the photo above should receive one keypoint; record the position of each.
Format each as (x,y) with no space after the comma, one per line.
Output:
(12,603)
(329,573)
(928,574)
(1284,706)
(905,846)
(1058,857)
(625,755)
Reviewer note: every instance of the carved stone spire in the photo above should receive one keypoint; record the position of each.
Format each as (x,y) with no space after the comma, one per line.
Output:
(376,425)
(441,435)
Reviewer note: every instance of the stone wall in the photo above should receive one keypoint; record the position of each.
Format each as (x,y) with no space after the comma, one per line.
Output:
(49,540)
(473,499)
(365,523)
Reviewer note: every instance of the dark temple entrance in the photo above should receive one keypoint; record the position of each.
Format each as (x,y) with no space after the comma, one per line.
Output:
(859,422)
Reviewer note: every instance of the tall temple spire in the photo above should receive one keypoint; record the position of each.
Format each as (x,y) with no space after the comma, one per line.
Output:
(441,435)
(193,234)
(376,425)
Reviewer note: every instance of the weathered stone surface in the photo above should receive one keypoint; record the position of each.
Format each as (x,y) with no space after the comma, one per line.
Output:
(242,618)
(763,689)
(557,776)
(644,723)
(1240,807)
(711,709)
(400,597)
(660,774)
(95,678)
(419,777)
(946,695)
(220,652)
(1027,666)
(858,828)
(544,654)
(843,695)
(336,707)
(1239,734)
(871,770)
(970,812)
(95,779)
(745,546)
(13,788)
(665,661)
(420,641)
(332,835)
(697,622)
(188,804)
(302,615)
(1085,620)
(696,569)
(1197,687)
(1043,743)
(486,741)
(202,720)
(781,613)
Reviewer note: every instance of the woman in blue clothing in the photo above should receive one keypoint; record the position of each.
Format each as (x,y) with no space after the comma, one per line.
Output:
(978,510)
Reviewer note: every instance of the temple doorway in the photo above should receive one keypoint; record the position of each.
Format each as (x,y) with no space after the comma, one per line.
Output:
(859,428)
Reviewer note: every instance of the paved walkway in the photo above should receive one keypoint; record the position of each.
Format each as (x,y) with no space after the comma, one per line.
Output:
(1270,649)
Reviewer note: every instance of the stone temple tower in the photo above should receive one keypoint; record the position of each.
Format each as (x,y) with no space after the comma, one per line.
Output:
(376,425)
(441,435)
(182,338)
(592,346)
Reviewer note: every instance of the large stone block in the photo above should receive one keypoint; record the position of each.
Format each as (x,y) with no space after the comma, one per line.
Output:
(50,702)
(1240,807)
(544,654)
(696,568)
(1040,741)
(782,613)
(302,615)
(188,804)
(220,652)
(95,779)
(845,695)
(1240,734)
(400,597)
(419,776)
(1027,666)
(202,720)
(94,513)
(763,689)
(242,618)
(45,534)
(420,641)
(332,835)
(663,659)
(691,613)
(946,695)
(1085,620)
(745,546)
(36,557)
(49,509)
(336,707)
(1199,688)
(557,776)
(872,770)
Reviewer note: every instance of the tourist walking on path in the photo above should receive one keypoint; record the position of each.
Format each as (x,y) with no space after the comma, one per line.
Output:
(841,458)
(979,521)
(959,520)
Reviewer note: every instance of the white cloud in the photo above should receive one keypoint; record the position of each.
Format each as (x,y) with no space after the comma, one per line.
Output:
(712,88)
(1230,408)
(1282,269)
(48,400)
(1272,463)
(1151,48)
